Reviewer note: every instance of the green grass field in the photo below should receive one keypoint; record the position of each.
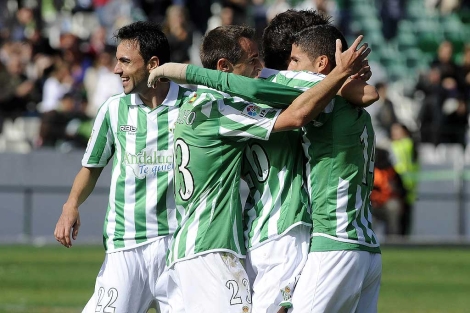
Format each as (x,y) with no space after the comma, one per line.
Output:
(55,279)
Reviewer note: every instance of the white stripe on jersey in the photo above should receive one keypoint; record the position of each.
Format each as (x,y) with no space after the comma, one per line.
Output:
(276,209)
(359,205)
(194,226)
(129,186)
(341,208)
(111,221)
(151,221)
(266,200)
(305,76)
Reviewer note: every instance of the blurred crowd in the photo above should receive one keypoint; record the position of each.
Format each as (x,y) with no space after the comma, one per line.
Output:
(57,60)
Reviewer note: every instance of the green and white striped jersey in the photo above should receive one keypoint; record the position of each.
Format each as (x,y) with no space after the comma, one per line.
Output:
(277,200)
(211,134)
(340,147)
(141,203)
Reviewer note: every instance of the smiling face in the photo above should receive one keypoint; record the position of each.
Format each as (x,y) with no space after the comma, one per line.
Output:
(249,64)
(131,67)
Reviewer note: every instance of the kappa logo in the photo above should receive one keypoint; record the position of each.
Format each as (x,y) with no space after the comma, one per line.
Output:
(128,128)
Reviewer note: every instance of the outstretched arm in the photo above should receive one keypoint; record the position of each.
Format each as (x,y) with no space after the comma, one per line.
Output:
(254,90)
(69,220)
(313,101)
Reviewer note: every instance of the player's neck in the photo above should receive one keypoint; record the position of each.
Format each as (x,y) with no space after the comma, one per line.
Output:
(152,98)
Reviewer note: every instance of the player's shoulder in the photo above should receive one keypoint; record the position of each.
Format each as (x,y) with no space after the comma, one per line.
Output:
(298,78)
(112,103)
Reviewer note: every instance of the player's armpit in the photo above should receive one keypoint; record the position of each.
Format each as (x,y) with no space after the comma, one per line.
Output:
(358,92)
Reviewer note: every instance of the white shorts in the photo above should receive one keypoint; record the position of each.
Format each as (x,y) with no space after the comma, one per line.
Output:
(209,283)
(339,281)
(131,280)
(274,268)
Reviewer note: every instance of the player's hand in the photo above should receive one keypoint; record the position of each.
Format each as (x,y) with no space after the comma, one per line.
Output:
(68,224)
(365,72)
(354,59)
(173,71)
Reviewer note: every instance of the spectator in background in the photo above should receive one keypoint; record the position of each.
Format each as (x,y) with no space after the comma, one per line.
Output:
(391,13)
(16,89)
(56,85)
(406,164)
(444,62)
(430,114)
(382,114)
(64,124)
(178,30)
(100,82)
(388,194)
(455,121)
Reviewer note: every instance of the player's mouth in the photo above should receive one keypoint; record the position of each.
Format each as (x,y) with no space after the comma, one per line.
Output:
(125,81)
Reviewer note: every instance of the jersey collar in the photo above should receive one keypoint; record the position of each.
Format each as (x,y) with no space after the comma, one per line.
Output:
(169,101)
(266,72)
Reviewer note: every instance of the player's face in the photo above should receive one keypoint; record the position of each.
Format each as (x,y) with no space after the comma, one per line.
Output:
(249,64)
(131,67)
(299,61)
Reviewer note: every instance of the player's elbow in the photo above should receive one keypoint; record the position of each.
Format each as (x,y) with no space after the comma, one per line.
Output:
(370,96)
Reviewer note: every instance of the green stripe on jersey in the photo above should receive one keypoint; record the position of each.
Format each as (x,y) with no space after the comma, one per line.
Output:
(141,206)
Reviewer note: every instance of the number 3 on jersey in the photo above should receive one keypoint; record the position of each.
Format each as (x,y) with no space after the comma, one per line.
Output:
(187,187)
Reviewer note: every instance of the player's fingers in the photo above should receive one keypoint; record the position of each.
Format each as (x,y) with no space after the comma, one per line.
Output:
(339,45)
(75,229)
(365,54)
(356,42)
(364,50)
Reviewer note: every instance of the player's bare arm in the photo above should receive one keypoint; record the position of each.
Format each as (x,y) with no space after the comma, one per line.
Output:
(313,101)
(69,220)
(359,92)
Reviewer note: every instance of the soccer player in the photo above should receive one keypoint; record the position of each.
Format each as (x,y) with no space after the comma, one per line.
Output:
(343,269)
(276,214)
(135,129)
(209,134)
(231,49)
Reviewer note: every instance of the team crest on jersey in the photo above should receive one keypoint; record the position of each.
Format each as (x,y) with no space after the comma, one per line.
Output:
(254,111)
(193,98)
(128,128)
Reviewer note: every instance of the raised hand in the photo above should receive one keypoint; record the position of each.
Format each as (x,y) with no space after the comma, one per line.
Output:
(353,59)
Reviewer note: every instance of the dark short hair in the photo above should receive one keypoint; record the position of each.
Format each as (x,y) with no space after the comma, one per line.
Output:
(152,41)
(320,40)
(224,42)
(280,33)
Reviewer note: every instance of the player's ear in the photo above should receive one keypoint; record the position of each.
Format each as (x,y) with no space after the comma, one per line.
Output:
(322,63)
(224,65)
(153,63)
